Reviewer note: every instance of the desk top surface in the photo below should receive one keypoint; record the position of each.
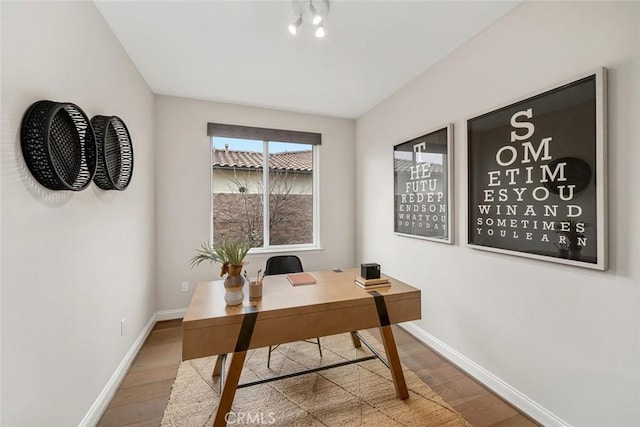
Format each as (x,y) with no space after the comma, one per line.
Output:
(331,290)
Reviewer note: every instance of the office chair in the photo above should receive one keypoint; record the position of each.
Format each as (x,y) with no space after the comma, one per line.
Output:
(285,264)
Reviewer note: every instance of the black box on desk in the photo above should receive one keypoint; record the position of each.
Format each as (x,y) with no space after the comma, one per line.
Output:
(370,271)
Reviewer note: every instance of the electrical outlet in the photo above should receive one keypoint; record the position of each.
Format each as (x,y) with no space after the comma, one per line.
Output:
(123,327)
(184,286)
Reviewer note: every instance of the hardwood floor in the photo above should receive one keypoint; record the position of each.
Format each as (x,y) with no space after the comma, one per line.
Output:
(143,395)
(144,392)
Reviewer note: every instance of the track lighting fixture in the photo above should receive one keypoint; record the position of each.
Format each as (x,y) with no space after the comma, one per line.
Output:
(314,11)
(295,25)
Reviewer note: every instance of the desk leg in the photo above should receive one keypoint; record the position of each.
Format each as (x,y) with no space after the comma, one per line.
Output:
(217,369)
(356,340)
(394,362)
(230,386)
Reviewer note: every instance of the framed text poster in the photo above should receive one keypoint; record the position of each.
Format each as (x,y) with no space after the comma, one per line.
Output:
(422,171)
(537,176)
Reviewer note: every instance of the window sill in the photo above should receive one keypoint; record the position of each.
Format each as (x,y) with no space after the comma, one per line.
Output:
(284,249)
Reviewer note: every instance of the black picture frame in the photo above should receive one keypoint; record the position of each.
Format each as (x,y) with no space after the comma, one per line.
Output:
(423,186)
(537,175)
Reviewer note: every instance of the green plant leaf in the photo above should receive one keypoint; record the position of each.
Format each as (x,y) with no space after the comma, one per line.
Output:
(228,251)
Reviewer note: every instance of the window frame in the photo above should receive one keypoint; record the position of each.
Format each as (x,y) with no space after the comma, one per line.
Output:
(267,247)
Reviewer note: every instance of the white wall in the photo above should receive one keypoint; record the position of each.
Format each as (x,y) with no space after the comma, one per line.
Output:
(567,338)
(73,264)
(183,189)
(1,162)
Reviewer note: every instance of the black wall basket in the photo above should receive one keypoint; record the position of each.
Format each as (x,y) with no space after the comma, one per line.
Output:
(58,145)
(115,153)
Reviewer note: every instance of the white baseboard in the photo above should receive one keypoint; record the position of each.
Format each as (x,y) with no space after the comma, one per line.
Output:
(102,402)
(501,388)
(170,314)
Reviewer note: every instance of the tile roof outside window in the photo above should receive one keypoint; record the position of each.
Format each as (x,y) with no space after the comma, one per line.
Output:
(291,160)
(403,165)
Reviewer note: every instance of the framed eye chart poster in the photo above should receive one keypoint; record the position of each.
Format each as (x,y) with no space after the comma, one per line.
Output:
(423,182)
(537,176)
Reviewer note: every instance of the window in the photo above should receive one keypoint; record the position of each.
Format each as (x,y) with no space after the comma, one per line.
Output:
(263,190)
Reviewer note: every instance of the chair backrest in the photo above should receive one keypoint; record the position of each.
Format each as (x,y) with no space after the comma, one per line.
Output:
(283,264)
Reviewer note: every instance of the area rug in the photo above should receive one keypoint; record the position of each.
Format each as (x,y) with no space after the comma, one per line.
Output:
(360,394)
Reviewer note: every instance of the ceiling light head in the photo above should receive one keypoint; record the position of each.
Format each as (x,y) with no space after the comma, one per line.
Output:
(316,17)
(294,26)
(320,31)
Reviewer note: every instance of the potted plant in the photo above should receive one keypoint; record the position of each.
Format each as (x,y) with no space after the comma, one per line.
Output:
(230,253)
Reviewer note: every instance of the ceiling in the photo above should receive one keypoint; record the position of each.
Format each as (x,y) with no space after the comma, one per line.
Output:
(241,51)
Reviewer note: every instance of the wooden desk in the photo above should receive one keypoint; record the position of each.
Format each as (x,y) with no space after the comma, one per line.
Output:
(286,313)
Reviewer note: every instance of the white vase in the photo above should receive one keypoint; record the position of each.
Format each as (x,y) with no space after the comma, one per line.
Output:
(233,295)
(233,286)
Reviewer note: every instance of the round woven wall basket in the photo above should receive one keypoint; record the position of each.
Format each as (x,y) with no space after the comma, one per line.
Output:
(115,153)
(58,145)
